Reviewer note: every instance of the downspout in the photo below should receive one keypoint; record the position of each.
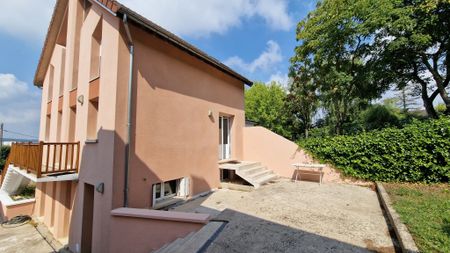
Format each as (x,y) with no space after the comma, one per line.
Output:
(129,102)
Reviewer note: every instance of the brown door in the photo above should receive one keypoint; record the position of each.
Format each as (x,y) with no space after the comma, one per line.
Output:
(88,215)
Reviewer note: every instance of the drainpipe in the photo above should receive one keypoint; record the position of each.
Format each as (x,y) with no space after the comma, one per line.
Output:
(130,94)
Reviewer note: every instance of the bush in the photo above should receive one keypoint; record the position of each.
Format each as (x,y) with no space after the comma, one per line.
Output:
(419,152)
(4,151)
(378,117)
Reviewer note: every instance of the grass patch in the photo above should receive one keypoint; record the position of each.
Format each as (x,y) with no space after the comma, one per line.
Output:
(425,209)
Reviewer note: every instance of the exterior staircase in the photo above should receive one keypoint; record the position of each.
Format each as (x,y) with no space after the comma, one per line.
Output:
(194,242)
(253,172)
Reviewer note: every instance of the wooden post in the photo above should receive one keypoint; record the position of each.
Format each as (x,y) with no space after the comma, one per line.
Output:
(78,157)
(41,153)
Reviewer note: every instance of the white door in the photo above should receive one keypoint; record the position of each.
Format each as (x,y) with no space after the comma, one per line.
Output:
(224,138)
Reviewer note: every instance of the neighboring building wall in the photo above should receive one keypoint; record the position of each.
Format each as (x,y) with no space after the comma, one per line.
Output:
(173,136)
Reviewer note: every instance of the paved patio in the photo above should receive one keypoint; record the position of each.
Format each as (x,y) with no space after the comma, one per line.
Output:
(24,238)
(297,217)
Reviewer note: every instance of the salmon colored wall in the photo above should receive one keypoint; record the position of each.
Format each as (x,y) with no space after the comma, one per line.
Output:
(278,153)
(60,203)
(8,212)
(173,136)
(148,230)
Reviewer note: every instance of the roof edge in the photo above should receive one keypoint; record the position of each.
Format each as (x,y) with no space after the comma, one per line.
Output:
(180,43)
(115,8)
(50,39)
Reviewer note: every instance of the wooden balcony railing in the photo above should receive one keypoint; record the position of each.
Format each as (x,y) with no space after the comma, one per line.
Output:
(46,157)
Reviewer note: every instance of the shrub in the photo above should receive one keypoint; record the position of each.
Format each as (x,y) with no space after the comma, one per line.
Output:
(419,152)
(4,151)
(379,116)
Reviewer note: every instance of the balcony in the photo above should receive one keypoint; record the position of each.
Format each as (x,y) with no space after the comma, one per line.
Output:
(45,161)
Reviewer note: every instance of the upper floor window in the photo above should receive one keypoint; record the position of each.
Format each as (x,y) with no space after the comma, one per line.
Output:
(96,44)
(51,76)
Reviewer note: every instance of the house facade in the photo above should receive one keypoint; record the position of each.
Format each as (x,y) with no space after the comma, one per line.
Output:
(133,118)
(150,112)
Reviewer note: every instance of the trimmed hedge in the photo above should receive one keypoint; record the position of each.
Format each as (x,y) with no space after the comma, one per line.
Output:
(419,152)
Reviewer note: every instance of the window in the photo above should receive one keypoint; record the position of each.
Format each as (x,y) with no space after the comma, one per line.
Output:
(47,127)
(72,122)
(170,189)
(92,119)
(51,76)
(96,42)
(63,66)
(59,130)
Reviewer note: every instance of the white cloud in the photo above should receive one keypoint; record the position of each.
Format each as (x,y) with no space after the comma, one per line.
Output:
(29,19)
(11,87)
(19,105)
(280,78)
(26,19)
(265,61)
(201,18)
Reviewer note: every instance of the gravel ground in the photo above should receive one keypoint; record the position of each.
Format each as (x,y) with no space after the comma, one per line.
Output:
(297,217)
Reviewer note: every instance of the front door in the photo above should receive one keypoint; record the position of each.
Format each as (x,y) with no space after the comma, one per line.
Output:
(224,138)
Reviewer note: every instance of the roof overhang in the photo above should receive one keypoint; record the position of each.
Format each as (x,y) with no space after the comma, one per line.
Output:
(115,8)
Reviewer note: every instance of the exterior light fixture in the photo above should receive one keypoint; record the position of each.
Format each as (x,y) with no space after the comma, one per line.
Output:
(80,99)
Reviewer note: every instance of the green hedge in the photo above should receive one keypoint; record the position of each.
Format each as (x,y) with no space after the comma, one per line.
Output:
(419,152)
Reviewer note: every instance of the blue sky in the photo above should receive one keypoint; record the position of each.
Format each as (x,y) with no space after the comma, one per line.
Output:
(254,37)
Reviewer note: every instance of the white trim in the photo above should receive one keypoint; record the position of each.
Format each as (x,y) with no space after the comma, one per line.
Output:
(32,177)
(6,200)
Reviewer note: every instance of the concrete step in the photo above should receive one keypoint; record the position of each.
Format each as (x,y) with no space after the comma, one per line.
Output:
(251,170)
(248,165)
(193,242)
(265,179)
(260,174)
(168,247)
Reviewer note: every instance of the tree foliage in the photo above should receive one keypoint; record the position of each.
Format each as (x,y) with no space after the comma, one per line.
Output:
(4,152)
(411,47)
(302,101)
(354,50)
(265,104)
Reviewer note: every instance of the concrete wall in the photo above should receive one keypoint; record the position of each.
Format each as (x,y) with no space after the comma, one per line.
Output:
(11,211)
(278,153)
(148,230)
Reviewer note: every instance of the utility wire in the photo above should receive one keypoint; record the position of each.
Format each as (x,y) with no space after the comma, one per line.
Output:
(17,133)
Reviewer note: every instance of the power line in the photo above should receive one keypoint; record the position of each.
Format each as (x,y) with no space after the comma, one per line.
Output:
(17,133)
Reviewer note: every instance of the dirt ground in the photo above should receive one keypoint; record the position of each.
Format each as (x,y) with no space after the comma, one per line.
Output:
(297,217)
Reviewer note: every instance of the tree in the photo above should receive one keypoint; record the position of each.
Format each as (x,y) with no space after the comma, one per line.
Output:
(411,46)
(302,101)
(334,44)
(4,151)
(407,98)
(265,104)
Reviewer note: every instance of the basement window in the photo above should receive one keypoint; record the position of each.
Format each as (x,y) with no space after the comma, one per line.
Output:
(169,192)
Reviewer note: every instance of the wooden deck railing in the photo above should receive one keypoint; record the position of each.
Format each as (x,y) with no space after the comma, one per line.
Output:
(46,157)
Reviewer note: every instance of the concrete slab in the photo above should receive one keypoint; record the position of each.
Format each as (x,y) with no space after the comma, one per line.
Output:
(297,217)
(22,239)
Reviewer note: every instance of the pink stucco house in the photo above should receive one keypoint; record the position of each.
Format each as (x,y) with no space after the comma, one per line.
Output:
(133,119)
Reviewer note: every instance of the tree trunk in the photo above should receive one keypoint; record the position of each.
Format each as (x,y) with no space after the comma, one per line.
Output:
(428,104)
